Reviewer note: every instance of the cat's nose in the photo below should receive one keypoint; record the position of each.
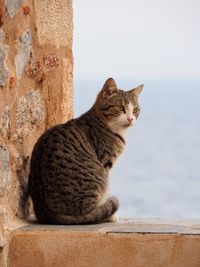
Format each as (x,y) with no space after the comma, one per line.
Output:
(130,119)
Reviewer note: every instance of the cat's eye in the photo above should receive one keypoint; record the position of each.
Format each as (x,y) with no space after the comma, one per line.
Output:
(108,107)
(136,110)
(122,108)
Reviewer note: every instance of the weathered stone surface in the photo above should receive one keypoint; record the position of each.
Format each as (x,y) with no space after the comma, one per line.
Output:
(33,69)
(5,122)
(50,61)
(2,35)
(26,10)
(30,113)
(5,171)
(121,244)
(54,22)
(3,56)
(68,96)
(12,6)
(23,53)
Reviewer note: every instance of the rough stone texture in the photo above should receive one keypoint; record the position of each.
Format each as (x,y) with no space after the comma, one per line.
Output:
(50,61)
(5,122)
(36,92)
(54,22)
(30,113)
(12,6)
(128,243)
(3,56)
(4,71)
(33,69)
(2,35)
(67,83)
(5,171)
(24,52)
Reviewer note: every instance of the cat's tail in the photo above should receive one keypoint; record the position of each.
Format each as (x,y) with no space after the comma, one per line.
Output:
(98,215)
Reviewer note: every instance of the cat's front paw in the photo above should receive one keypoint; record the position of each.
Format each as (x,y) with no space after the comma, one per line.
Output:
(113,218)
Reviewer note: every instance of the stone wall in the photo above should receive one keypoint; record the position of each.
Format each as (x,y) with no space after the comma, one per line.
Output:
(36,89)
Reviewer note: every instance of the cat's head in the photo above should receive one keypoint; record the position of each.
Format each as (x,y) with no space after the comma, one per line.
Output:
(118,108)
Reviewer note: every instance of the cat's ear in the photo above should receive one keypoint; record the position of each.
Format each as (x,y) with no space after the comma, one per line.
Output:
(109,88)
(136,91)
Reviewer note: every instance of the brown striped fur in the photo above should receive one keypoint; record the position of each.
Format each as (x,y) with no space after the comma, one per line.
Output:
(70,162)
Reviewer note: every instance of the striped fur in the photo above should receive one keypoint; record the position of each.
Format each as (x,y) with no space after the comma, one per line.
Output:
(69,169)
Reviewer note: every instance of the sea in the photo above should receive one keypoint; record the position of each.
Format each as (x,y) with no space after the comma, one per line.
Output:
(158,175)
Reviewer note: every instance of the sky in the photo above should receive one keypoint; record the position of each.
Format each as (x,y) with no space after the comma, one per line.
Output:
(144,39)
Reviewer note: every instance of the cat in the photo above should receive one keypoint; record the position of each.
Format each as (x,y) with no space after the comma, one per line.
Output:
(70,162)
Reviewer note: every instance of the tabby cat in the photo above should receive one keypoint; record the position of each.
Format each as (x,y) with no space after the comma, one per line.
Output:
(70,163)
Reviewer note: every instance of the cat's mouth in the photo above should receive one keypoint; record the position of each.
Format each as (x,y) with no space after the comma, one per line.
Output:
(128,124)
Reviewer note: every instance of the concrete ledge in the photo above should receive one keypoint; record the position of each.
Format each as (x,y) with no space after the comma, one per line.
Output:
(138,243)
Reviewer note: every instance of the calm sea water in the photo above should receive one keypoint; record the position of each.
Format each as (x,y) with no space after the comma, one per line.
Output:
(158,175)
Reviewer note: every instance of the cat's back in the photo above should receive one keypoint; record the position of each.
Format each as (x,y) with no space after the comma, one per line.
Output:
(61,141)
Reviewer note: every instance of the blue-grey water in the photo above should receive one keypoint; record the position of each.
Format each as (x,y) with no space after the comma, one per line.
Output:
(158,175)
